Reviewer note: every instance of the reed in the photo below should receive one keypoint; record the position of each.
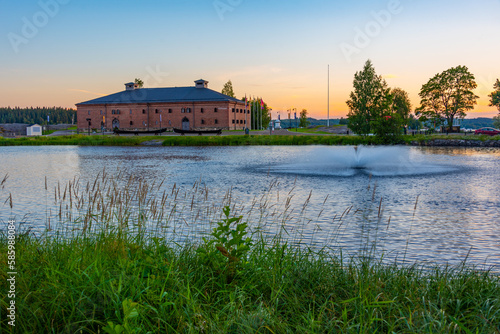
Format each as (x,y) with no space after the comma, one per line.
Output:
(126,254)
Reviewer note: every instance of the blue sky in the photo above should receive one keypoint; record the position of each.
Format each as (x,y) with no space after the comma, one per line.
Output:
(276,50)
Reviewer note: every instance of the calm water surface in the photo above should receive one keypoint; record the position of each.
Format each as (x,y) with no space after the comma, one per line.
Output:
(428,205)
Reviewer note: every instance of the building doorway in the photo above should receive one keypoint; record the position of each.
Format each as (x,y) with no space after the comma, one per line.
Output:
(115,124)
(185,123)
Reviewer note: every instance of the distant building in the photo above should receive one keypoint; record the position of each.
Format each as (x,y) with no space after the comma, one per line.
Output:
(34,130)
(195,107)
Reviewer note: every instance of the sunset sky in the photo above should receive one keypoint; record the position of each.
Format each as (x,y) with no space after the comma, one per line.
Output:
(61,52)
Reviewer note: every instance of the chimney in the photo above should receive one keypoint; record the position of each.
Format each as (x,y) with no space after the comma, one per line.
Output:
(201,83)
(131,86)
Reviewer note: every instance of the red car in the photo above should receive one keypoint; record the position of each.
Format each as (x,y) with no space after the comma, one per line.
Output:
(487,131)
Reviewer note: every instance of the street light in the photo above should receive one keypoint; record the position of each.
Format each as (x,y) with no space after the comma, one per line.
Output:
(295,116)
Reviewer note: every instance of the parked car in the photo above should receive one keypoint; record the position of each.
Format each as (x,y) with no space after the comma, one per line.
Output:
(487,131)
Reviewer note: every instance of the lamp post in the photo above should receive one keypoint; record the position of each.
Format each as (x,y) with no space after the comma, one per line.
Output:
(295,115)
(88,120)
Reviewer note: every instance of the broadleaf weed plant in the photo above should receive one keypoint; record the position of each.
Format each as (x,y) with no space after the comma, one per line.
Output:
(229,239)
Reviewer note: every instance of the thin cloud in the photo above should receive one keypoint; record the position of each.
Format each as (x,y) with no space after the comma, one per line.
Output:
(86,91)
(389,76)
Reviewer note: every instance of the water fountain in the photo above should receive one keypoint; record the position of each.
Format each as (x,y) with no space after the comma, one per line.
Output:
(356,160)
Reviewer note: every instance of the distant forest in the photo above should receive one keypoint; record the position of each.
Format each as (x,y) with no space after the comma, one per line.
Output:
(58,115)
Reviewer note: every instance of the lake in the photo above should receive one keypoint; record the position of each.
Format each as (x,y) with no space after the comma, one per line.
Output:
(438,205)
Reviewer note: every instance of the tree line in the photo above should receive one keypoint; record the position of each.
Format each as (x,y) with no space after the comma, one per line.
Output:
(385,112)
(260,111)
(38,115)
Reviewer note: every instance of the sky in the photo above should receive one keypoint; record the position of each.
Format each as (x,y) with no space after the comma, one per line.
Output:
(62,52)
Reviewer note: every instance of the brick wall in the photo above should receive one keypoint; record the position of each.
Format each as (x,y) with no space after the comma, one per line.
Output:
(141,116)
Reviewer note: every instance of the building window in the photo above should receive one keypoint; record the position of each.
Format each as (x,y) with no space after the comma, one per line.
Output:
(233,109)
(131,123)
(188,110)
(216,121)
(169,111)
(130,111)
(215,110)
(89,112)
(182,110)
(118,111)
(202,121)
(156,111)
(156,122)
(101,112)
(201,110)
(143,111)
(233,121)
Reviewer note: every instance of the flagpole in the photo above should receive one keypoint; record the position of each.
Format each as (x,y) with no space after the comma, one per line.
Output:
(328,100)
(261,112)
(254,118)
(251,113)
(246,124)
(260,115)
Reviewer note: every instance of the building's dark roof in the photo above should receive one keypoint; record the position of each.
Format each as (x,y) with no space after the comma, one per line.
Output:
(155,95)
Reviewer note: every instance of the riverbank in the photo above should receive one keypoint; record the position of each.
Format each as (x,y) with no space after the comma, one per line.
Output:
(108,281)
(241,140)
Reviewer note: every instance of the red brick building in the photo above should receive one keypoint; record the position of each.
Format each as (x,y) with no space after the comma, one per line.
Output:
(136,108)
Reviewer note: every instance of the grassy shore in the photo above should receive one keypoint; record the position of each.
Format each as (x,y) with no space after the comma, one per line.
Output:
(233,140)
(107,281)
(114,264)
(80,140)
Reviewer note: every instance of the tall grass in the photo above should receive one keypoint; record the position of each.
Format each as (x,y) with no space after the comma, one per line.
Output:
(81,140)
(234,140)
(125,252)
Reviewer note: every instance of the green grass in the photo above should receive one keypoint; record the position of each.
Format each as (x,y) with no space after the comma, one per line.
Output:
(262,140)
(81,140)
(315,129)
(111,271)
(233,140)
(80,284)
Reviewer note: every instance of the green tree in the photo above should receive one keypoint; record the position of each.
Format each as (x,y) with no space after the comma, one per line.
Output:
(496,121)
(447,95)
(228,89)
(343,121)
(386,124)
(401,104)
(303,122)
(495,95)
(139,82)
(58,115)
(370,100)
(414,123)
